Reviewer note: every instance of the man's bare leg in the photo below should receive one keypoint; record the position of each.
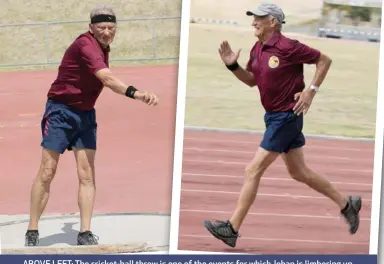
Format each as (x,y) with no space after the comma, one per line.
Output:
(294,161)
(85,159)
(253,172)
(40,193)
(299,171)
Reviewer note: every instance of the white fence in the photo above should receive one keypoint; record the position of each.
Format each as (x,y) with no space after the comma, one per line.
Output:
(137,39)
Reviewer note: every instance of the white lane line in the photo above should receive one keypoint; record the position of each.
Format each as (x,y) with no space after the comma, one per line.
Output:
(232,131)
(309,146)
(270,214)
(253,152)
(10,93)
(266,178)
(277,165)
(28,114)
(264,194)
(284,240)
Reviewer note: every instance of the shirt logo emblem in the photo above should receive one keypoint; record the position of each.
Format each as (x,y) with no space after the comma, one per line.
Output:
(273,62)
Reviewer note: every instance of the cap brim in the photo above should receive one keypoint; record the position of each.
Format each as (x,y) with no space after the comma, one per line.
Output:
(259,13)
(256,12)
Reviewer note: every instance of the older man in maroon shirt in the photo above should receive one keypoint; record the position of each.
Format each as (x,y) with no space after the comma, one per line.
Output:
(69,121)
(275,66)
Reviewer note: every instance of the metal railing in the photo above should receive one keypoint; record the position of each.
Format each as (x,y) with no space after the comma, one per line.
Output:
(350,32)
(44,43)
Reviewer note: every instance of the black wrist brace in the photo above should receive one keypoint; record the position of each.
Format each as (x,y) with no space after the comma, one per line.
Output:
(130,92)
(233,66)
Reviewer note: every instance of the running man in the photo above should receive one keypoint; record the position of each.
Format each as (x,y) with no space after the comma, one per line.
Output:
(69,121)
(275,66)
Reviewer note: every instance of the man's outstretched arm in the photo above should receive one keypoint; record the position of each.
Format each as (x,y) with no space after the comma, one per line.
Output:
(116,85)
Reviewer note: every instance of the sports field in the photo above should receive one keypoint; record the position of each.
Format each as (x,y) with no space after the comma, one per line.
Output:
(346,105)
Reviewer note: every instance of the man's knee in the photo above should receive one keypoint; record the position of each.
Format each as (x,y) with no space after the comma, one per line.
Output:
(259,164)
(47,174)
(48,166)
(85,166)
(86,174)
(294,161)
(298,173)
(253,172)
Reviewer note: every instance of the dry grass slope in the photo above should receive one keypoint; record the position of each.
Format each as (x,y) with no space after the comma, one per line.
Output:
(40,44)
(24,11)
(296,11)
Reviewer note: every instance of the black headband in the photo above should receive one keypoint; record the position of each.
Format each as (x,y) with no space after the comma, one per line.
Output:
(103,18)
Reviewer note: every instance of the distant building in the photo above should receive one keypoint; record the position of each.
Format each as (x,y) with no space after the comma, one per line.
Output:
(349,19)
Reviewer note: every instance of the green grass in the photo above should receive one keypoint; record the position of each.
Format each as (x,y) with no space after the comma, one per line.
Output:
(346,105)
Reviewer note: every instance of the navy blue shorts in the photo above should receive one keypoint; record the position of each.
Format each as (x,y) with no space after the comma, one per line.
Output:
(283,131)
(63,127)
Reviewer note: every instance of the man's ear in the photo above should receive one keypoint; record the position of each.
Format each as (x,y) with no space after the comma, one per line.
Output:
(90,28)
(274,22)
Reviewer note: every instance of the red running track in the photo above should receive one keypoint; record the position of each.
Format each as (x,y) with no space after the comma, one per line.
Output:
(287,217)
(135,144)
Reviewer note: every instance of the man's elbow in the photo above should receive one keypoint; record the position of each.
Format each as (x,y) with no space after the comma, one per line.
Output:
(251,84)
(326,60)
(107,81)
(105,76)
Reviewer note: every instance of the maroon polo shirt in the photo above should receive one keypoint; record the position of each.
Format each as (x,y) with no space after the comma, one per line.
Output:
(76,84)
(279,71)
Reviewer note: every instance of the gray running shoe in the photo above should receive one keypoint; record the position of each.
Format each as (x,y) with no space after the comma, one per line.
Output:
(351,213)
(32,238)
(87,238)
(222,230)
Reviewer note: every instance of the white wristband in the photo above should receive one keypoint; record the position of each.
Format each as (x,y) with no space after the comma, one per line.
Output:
(313,87)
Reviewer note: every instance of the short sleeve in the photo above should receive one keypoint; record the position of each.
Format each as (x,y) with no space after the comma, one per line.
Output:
(302,54)
(91,57)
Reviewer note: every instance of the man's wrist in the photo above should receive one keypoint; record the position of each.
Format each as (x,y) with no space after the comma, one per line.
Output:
(314,88)
(131,92)
(137,94)
(232,67)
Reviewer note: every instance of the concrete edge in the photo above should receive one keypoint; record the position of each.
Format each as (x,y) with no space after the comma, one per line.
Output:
(71,215)
(79,250)
(157,248)
(257,132)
